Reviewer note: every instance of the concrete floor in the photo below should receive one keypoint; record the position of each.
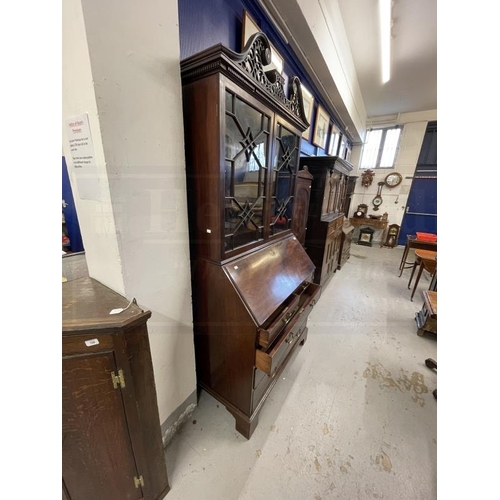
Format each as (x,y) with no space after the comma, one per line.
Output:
(353,416)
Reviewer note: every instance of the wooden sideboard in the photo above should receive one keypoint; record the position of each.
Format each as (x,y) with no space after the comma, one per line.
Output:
(381,223)
(367,221)
(111,438)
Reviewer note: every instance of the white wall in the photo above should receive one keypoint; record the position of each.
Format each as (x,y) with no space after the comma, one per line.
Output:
(325,22)
(317,35)
(96,219)
(394,200)
(121,65)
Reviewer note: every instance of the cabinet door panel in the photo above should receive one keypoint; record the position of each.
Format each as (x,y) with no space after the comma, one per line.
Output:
(299,224)
(98,462)
(285,164)
(247,133)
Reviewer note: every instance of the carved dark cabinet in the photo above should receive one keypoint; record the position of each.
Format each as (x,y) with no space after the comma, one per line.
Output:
(345,243)
(301,207)
(111,439)
(251,278)
(326,213)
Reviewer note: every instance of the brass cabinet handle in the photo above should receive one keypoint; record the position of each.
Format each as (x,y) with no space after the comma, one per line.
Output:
(289,339)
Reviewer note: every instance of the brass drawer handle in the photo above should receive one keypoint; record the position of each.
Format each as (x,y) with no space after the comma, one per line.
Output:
(289,339)
(313,303)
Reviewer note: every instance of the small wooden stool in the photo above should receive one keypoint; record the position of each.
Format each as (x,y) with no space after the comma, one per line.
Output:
(425,259)
(426,318)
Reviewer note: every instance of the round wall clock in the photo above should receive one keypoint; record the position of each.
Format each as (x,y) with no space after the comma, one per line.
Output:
(394,179)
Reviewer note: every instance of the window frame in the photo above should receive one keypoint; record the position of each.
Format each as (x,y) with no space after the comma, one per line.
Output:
(381,148)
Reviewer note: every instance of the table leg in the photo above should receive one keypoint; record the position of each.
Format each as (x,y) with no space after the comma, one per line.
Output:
(420,269)
(433,285)
(415,264)
(403,260)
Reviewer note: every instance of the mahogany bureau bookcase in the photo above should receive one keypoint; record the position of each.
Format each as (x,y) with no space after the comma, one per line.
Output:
(111,438)
(251,277)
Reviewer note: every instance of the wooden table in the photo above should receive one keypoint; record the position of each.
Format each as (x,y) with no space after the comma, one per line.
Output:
(367,221)
(412,242)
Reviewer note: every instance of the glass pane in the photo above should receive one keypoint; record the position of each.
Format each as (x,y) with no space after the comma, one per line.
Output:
(228,176)
(229,101)
(334,143)
(249,117)
(390,147)
(247,134)
(371,149)
(284,168)
(233,137)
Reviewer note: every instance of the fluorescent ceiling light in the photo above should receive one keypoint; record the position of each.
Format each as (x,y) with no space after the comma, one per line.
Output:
(385,38)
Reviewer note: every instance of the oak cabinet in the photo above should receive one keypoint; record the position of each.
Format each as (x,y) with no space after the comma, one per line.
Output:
(111,438)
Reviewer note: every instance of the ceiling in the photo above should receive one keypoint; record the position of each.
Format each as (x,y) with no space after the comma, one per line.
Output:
(413,83)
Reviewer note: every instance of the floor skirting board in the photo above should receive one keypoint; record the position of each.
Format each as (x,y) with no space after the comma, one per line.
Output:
(177,418)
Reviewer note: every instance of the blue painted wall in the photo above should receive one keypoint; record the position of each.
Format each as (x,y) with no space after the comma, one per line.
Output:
(70,215)
(204,23)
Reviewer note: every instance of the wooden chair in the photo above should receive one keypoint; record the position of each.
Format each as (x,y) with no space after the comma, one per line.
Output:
(424,259)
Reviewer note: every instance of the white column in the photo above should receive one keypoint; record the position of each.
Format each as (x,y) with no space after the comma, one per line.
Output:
(121,67)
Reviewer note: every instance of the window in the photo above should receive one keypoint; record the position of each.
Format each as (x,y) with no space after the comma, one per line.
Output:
(380,148)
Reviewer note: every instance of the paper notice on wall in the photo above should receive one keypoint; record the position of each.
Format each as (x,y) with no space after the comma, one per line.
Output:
(82,153)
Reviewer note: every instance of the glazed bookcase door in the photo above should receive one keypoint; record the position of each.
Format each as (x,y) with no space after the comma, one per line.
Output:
(246,148)
(283,175)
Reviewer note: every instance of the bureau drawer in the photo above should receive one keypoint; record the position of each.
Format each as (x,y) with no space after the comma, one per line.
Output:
(331,228)
(84,344)
(267,335)
(270,359)
(305,296)
(309,296)
(334,225)
(269,362)
(263,381)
